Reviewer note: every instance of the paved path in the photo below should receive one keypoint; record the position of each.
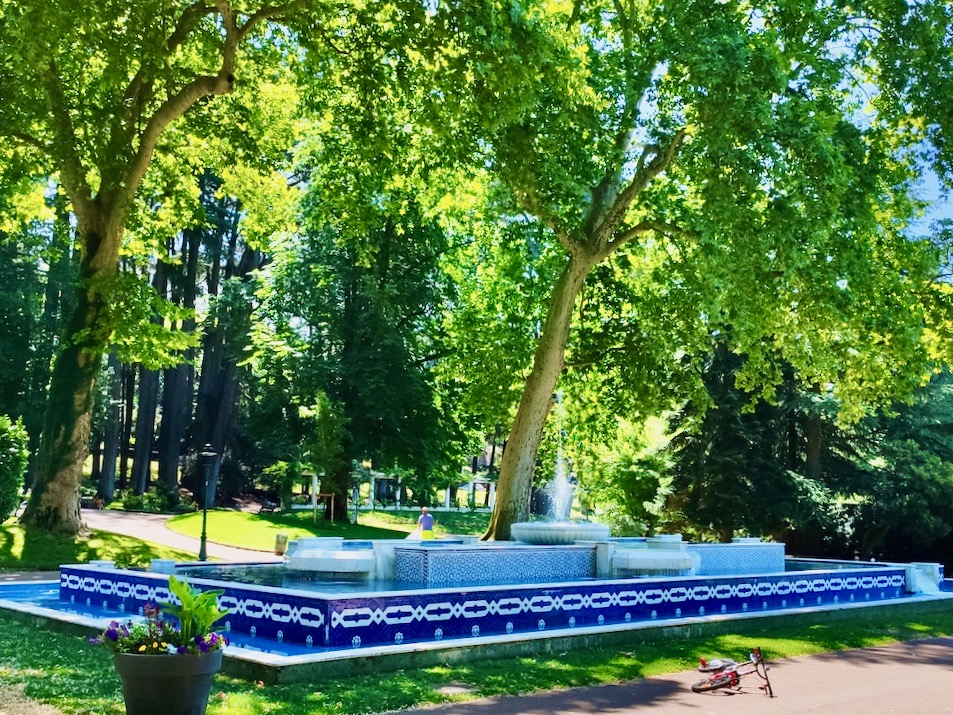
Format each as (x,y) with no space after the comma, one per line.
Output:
(909,678)
(152,527)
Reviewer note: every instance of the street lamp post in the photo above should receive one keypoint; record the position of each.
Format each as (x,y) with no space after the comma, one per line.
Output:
(208,456)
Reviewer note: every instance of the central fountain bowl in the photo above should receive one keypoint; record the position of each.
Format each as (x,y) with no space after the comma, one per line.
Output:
(553,533)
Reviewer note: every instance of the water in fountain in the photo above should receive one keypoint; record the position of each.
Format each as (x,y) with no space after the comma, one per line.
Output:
(560,530)
(560,490)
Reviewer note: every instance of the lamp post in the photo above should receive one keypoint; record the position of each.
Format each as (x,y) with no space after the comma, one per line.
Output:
(208,456)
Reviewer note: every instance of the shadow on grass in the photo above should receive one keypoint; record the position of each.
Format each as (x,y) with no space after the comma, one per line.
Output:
(32,549)
(64,671)
(304,520)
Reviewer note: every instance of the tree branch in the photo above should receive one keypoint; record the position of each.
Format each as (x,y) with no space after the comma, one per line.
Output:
(653,161)
(173,108)
(666,229)
(72,172)
(269,12)
(529,199)
(177,104)
(139,90)
(29,140)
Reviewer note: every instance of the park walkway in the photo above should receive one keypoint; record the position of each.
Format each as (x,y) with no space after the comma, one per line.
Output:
(909,678)
(152,527)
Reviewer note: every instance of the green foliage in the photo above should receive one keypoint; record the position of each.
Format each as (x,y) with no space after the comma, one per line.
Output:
(282,478)
(158,500)
(82,680)
(346,335)
(191,631)
(129,324)
(13,460)
(789,470)
(196,611)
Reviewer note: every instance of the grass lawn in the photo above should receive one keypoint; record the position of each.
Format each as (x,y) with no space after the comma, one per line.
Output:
(23,549)
(64,672)
(258,531)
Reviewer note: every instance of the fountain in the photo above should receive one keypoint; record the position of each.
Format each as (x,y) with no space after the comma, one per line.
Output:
(560,579)
(424,598)
(559,529)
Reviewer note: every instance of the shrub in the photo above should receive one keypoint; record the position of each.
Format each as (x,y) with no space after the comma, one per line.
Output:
(281,477)
(159,500)
(13,460)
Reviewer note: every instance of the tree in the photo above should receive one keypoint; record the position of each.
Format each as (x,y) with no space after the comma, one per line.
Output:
(90,90)
(13,458)
(728,151)
(742,464)
(353,323)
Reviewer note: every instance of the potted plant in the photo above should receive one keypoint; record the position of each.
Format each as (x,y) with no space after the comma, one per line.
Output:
(167,664)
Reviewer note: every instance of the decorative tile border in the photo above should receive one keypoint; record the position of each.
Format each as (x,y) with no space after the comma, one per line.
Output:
(346,621)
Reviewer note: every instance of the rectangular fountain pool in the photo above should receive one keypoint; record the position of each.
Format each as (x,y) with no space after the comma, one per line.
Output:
(325,619)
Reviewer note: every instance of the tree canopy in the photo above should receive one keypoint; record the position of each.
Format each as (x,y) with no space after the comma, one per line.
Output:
(600,191)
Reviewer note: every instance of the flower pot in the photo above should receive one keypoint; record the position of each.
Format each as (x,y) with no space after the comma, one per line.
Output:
(174,684)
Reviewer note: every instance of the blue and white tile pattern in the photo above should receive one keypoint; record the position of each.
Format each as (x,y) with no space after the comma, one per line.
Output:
(345,621)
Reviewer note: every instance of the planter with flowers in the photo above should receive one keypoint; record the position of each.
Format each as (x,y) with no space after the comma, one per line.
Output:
(167,664)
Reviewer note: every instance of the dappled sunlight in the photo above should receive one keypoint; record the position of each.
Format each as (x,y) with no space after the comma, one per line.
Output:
(11,542)
(62,671)
(32,549)
(258,531)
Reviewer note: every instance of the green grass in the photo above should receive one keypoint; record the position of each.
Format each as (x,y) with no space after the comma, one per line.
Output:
(258,531)
(62,671)
(29,549)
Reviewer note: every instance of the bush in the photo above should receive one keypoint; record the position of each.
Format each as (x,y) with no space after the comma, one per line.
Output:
(159,500)
(13,460)
(281,477)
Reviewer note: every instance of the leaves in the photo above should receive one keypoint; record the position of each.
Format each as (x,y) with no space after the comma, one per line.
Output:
(196,611)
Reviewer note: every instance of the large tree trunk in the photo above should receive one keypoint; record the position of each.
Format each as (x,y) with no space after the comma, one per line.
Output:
(603,231)
(54,500)
(107,476)
(101,211)
(522,446)
(177,386)
(145,429)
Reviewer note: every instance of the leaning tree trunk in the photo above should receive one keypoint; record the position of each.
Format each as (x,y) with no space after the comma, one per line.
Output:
(602,232)
(522,446)
(55,498)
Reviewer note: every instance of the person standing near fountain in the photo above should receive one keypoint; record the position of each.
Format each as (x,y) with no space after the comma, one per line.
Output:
(425,523)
